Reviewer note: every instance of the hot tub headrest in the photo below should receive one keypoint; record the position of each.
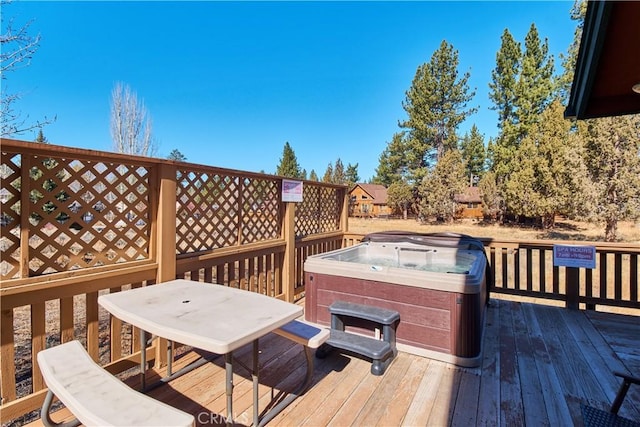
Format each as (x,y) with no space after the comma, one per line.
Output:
(449,240)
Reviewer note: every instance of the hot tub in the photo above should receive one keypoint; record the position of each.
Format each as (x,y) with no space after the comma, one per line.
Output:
(437,282)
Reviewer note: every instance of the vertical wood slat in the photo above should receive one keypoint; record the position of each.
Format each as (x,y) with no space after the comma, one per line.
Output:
(556,280)
(262,277)
(25,188)
(242,271)
(603,275)
(7,357)
(268,276)
(505,264)
(529,272)
(633,277)
(208,275)
(92,325)
(231,274)
(516,268)
(220,274)
(492,260)
(253,280)
(542,268)
(38,342)
(618,276)
(66,319)
(135,332)
(279,286)
(116,333)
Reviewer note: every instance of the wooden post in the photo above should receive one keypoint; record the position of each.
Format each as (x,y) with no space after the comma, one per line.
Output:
(572,283)
(344,215)
(289,256)
(165,248)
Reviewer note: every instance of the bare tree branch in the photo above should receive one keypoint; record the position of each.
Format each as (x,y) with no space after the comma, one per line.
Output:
(131,128)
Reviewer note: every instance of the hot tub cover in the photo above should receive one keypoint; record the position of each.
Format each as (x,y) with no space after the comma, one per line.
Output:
(447,240)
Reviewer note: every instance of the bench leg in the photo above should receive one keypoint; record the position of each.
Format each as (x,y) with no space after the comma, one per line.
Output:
(293,395)
(46,417)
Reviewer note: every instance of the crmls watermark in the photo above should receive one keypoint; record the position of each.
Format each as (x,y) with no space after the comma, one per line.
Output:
(204,418)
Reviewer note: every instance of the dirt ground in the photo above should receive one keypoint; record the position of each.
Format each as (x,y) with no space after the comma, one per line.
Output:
(629,232)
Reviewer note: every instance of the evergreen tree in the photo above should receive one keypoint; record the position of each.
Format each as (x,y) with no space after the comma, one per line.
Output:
(473,152)
(535,88)
(578,12)
(303,174)
(40,138)
(288,166)
(436,104)
(400,195)
(492,201)
(504,78)
(338,173)
(328,174)
(392,163)
(544,180)
(351,175)
(612,146)
(177,156)
(313,176)
(439,187)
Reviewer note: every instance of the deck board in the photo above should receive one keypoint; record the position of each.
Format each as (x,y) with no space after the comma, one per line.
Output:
(539,364)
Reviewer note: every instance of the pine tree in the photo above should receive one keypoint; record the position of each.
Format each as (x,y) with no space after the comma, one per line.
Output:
(438,189)
(177,156)
(338,173)
(288,166)
(504,79)
(328,174)
(313,176)
(612,146)
(436,104)
(392,163)
(535,88)
(400,195)
(351,174)
(40,138)
(578,12)
(473,152)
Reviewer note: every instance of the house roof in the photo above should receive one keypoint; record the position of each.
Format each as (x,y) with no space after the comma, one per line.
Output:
(470,195)
(377,192)
(608,63)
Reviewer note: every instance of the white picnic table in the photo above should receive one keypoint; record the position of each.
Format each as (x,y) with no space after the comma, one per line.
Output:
(210,317)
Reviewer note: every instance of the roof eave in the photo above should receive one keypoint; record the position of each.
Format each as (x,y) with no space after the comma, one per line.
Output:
(591,44)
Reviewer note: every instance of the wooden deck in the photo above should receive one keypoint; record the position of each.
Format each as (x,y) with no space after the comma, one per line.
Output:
(540,363)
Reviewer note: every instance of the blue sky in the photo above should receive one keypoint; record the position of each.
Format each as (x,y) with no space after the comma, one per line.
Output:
(228,83)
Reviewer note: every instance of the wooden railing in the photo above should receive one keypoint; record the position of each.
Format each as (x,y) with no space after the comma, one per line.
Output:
(79,223)
(525,268)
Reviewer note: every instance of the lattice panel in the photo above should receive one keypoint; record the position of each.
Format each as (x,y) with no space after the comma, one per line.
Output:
(86,214)
(260,210)
(10,216)
(319,211)
(207,211)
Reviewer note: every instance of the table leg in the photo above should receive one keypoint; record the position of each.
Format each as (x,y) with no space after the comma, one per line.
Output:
(254,376)
(228,365)
(143,358)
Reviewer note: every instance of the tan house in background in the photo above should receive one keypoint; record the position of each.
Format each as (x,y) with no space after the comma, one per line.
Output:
(470,203)
(368,200)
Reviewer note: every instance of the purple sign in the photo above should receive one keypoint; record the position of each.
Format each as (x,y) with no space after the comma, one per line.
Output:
(574,256)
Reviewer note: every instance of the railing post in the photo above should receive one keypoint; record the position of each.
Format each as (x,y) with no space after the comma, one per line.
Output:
(289,256)
(165,247)
(344,215)
(572,277)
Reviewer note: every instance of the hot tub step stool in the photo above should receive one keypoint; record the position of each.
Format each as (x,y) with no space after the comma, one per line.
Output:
(381,352)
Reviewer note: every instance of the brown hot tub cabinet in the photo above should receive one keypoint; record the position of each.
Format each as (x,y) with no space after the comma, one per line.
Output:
(436,282)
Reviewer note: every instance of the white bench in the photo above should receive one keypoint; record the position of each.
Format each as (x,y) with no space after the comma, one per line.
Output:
(310,336)
(97,398)
(304,333)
